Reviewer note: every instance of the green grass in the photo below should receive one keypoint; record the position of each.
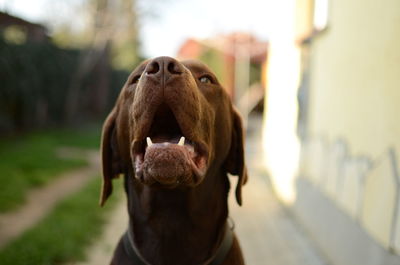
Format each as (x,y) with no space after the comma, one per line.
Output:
(88,137)
(64,235)
(30,161)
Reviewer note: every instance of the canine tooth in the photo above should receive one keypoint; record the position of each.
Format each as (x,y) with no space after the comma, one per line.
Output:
(149,142)
(181,141)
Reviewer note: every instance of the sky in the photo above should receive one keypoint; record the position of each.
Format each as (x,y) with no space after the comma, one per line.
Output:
(181,19)
(166,24)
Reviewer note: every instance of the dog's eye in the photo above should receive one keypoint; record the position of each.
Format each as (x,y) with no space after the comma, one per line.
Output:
(205,79)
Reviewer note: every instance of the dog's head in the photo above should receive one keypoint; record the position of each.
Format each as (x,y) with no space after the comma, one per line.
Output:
(171,125)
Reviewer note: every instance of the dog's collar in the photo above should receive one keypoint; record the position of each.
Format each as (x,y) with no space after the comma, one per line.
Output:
(217,259)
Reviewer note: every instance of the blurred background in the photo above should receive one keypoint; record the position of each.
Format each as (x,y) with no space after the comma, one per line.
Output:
(316,81)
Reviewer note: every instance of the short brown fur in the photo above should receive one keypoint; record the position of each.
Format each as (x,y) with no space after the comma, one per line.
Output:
(183,224)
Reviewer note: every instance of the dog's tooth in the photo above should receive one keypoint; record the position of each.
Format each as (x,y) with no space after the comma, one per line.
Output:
(181,141)
(149,142)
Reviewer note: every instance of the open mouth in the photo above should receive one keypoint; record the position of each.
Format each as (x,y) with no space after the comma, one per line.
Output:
(166,155)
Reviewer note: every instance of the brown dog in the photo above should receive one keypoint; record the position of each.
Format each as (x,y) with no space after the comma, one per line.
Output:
(175,136)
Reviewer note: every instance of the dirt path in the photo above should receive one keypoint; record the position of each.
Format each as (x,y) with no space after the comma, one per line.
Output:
(40,201)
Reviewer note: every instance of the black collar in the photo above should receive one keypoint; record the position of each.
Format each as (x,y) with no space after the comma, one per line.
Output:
(217,259)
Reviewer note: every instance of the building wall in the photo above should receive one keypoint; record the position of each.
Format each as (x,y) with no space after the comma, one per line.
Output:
(355,79)
(346,191)
(279,129)
(351,153)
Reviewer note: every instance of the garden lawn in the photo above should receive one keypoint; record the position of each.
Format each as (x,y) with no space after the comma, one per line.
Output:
(30,161)
(66,233)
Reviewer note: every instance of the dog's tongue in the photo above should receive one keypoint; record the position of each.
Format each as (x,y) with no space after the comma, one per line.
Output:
(168,163)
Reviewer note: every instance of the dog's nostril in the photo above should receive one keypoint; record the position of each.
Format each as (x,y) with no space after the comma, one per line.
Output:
(173,68)
(153,68)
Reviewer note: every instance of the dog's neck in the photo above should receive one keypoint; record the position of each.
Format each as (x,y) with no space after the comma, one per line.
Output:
(178,226)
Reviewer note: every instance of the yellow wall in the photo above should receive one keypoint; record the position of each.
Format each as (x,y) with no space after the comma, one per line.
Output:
(303,17)
(281,146)
(351,152)
(355,96)
(355,81)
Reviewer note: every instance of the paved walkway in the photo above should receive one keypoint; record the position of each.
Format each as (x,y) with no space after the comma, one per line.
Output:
(267,232)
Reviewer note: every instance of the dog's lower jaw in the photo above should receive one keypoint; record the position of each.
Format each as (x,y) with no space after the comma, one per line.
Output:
(149,179)
(167,164)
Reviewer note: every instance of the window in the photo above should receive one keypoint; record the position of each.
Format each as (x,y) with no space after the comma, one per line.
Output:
(321,10)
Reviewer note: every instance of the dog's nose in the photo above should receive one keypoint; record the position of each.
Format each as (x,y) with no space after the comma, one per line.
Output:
(164,65)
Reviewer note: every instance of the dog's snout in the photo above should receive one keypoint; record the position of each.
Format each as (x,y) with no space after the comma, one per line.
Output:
(164,65)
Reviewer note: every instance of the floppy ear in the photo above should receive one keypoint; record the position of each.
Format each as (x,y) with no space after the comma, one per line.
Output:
(109,156)
(235,164)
